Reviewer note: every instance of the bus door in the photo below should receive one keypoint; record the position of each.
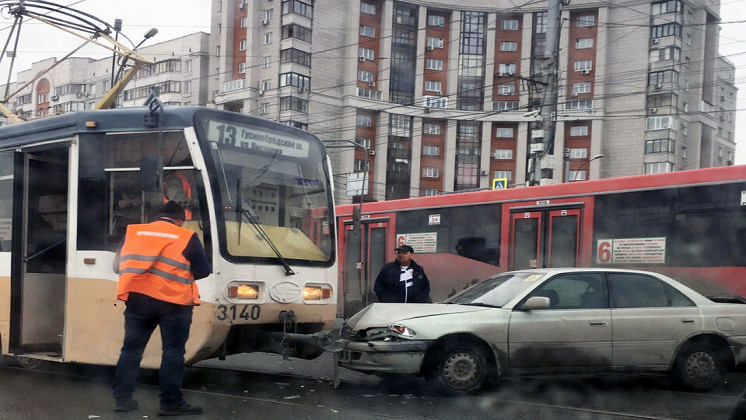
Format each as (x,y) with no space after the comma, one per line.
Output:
(545,238)
(38,251)
(365,255)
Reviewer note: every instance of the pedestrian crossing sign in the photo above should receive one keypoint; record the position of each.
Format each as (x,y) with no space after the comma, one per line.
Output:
(500,184)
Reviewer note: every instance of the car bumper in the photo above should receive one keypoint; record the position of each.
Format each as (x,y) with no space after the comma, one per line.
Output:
(384,357)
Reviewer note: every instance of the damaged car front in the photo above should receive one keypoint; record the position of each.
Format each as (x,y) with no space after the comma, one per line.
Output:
(456,341)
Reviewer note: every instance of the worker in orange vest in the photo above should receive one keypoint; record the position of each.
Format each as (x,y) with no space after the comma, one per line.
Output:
(176,187)
(158,264)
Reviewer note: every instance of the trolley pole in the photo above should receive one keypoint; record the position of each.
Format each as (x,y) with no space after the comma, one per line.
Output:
(542,134)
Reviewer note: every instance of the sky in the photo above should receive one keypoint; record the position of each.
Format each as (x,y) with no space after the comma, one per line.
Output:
(175,18)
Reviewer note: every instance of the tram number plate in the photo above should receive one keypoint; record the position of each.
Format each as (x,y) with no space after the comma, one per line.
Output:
(345,356)
(233,312)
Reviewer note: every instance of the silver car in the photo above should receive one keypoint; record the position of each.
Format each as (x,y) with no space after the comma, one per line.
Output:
(570,320)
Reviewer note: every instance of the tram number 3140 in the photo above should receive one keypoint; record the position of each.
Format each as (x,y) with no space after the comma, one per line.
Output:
(234,312)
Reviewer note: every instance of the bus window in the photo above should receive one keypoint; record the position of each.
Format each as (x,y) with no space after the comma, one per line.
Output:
(6,199)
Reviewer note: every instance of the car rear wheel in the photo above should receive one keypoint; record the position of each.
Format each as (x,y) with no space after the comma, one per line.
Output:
(698,368)
(461,370)
(22,362)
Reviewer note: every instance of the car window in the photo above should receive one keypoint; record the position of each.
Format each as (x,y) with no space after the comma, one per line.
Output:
(630,290)
(575,291)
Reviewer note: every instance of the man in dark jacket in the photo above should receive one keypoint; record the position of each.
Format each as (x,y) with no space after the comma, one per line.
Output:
(403,280)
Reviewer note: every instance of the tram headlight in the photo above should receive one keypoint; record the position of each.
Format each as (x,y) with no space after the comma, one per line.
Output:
(316,293)
(244,291)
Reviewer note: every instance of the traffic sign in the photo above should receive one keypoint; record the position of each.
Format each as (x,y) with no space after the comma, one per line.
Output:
(500,184)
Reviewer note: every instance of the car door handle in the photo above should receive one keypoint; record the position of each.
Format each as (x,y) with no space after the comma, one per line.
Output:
(687,320)
(597,323)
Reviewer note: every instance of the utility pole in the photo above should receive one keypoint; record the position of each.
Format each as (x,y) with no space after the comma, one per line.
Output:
(542,133)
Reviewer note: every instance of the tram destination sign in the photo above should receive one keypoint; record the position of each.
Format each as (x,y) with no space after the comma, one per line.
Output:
(256,138)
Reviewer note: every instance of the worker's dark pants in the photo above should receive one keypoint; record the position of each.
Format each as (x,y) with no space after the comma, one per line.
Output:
(142,315)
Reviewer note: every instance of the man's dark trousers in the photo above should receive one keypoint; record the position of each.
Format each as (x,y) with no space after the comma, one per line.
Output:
(141,316)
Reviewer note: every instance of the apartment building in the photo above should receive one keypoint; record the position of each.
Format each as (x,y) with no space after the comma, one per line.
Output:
(180,70)
(437,97)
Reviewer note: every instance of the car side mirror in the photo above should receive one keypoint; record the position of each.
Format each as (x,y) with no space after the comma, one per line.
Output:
(536,302)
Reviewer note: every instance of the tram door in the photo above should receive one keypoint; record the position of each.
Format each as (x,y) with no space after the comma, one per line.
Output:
(545,238)
(365,254)
(38,250)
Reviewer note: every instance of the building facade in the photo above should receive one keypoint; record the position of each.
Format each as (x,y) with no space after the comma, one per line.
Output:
(180,70)
(436,97)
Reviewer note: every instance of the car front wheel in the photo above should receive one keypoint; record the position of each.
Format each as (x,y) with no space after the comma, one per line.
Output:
(698,368)
(461,370)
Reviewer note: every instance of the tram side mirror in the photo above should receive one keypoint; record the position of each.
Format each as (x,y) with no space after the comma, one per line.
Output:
(151,173)
(356,216)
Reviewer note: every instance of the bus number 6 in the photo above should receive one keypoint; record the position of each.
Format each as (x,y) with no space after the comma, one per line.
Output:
(238,312)
(604,252)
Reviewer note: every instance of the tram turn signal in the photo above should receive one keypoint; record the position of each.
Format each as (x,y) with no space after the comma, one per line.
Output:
(316,293)
(244,291)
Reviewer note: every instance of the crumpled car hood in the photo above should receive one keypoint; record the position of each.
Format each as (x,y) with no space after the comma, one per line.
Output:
(383,314)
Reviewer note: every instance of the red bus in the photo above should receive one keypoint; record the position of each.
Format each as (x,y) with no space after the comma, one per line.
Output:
(690,225)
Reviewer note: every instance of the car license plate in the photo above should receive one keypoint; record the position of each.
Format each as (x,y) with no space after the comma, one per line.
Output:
(345,356)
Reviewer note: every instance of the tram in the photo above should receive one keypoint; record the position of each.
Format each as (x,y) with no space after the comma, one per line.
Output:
(260,201)
(690,225)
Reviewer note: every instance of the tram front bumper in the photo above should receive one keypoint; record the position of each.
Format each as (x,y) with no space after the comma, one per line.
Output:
(403,357)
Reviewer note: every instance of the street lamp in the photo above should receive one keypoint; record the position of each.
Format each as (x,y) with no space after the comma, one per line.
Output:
(575,177)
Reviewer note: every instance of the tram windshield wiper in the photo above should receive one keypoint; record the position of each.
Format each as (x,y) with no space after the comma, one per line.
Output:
(249,215)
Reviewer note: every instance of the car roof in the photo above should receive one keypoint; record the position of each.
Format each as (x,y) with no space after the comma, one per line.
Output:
(583,269)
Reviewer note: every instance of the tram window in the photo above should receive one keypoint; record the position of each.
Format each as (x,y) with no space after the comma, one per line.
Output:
(6,199)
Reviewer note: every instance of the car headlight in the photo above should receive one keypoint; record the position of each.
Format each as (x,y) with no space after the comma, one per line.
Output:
(402,330)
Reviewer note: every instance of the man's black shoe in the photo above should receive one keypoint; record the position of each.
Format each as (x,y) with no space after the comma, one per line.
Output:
(183,409)
(125,406)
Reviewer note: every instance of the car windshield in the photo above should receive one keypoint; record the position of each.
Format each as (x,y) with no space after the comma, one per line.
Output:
(497,290)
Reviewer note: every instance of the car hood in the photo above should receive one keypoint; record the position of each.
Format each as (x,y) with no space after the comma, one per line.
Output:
(383,314)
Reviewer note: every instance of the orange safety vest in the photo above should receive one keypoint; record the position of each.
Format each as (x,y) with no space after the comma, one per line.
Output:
(187,191)
(152,263)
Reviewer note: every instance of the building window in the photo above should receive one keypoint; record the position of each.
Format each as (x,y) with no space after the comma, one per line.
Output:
(576,175)
(583,65)
(503,154)
(267,62)
(367,8)
(432,64)
(430,151)
(579,131)
(241,68)
(665,76)
(430,172)
(364,120)
(298,8)
(506,89)
(510,25)
(505,105)
(266,84)
(689,40)
(579,88)
(187,66)
(658,167)
(431,129)
(503,174)
(243,21)
(266,16)
(429,192)
(292,55)
(432,86)
(265,108)
(435,20)
(295,79)
(663,7)
(363,142)
(364,76)
(217,72)
(504,132)
(433,42)
(293,103)
(579,104)
(268,38)
(659,123)
(586,21)
(187,87)
(578,153)
(366,53)
(507,68)
(242,45)
(508,46)
(583,43)
(368,31)
(359,165)
(296,31)
(668,29)
(435,101)
(659,146)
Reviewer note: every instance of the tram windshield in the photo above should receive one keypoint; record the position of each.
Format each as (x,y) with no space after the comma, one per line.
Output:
(272,188)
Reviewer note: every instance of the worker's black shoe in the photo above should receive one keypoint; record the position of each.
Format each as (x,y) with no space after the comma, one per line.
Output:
(183,409)
(125,406)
